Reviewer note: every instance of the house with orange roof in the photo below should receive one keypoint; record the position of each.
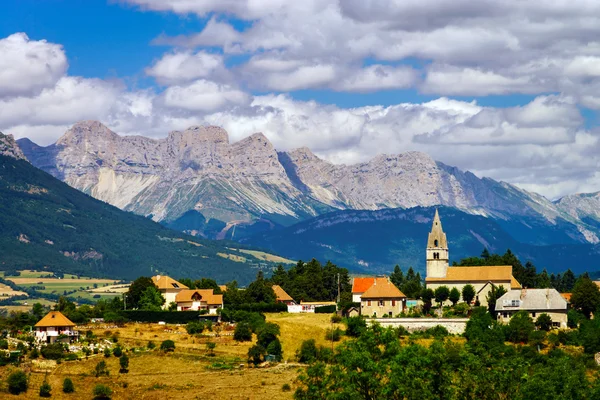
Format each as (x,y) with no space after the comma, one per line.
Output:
(361,285)
(282,296)
(55,327)
(168,287)
(382,298)
(199,299)
(483,278)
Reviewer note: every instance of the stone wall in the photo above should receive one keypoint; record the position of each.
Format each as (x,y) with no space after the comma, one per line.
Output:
(453,325)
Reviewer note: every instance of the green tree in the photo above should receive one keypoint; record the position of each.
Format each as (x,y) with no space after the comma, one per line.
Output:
(45,389)
(242,332)
(493,295)
(210,346)
(101,369)
(308,352)
(397,277)
(454,296)
(544,322)
(101,392)
(206,283)
(68,386)
(441,294)
(586,296)
(427,295)
(483,330)
(355,326)
(256,354)
(151,299)
(124,364)
(568,281)
(261,291)
(136,289)
(17,382)
(468,293)
(167,345)
(543,280)
(520,327)
(38,311)
(274,349)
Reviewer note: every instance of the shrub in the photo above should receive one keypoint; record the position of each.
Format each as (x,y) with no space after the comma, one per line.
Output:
(437,331)
(461,309)
(274,349)
(124,363)
(107,352)
(243,332)
(355,326)
(210,346)
(101,369)
(167,345)
(256,353)
(194,327)
(45,389)
(151,345)
(71,357)
(308,352)
(325,309)
(4,344)
(544,322)
(34,353)
(52,351)
(286,387)
(68,386)
(102,392)
(520,327)
(17,382)
(336,319)
(333,335)
(267,334)
(118,351)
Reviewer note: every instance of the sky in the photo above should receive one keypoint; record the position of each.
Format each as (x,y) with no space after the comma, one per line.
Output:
(506,89)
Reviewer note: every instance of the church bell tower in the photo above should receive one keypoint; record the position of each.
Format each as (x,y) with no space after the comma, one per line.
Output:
(437,250)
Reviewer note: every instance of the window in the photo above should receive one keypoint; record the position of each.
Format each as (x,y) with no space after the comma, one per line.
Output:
(532,315)
(369,303)
(435,242)
(393,303)
(505,315)
(381,303)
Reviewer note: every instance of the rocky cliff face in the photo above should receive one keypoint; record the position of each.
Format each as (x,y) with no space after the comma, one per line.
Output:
(8,147)
(198,169)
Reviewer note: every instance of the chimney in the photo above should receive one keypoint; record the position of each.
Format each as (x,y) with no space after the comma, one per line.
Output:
(523,293)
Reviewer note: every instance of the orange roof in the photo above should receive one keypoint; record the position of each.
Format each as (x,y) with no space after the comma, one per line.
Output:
(166,282)
(479,274)
(54,318)
(566,296)
(382,289)
(206,295)
(597,283)
(223,288)
(361,285)
(281,294)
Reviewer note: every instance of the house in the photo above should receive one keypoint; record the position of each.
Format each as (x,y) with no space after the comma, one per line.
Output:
(535,302)
(309,306)
(55,327)
(361,285)
(483,278)
(199,299)
(168,287)
(282,296)
(382,298)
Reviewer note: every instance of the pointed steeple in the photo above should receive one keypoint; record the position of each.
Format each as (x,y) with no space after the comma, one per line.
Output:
(437,237)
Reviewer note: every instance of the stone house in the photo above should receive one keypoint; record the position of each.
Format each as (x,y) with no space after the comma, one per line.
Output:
(382,298)
(535,302)
(55,327)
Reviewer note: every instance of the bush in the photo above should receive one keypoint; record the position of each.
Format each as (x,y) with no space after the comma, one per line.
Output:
(101,369)
(45,389)
(286,387)
(520,327)
(118,351)
(333,335)
(107,352)
(34,353)
(325,309)
(243,332)
(4,344)
(194,327)
(102,392)
(151,345)
(71,357)
(68,386)
(52,351)
(255,354)
(335,318)
(17,382)
(210,346)
(308,352)
(274,349)
(124,363)
(167,345)
(544,322)
(355,326)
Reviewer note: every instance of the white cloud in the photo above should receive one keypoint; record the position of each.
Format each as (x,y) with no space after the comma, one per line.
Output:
(378,77)
(27,66)
(203,95)
(184,66)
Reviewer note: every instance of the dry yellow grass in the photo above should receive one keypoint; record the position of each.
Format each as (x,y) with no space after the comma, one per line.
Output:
(266,256)
(7,291)
(82,282)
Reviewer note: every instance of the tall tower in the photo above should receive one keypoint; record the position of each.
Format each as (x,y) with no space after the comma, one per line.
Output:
(437,250)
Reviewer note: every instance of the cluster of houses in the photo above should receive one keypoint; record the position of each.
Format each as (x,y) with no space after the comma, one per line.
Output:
(377,296)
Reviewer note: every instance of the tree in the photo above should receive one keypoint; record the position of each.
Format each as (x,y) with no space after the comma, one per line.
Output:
(520,327)
(101,369)
(206,283)
(454,296)
(45,389)
(151,299)
(397,277)
(124,364)
(101,392)
(38,311)
(260,291)
(355,326)
(494,294)
(210,346)
(544,322)
(256,354)
(543,280)
(586,296)
(167,345)
(134,294)
(68,386)
(483,329)
(274,349)
(118,351)
(308,352)
(17,382)
(568,281)
(243,332)
(427,295)
(441,294)
(468,293)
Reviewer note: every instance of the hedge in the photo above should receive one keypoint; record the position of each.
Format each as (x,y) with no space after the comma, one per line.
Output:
(326,309)
(258,307)
(170,317)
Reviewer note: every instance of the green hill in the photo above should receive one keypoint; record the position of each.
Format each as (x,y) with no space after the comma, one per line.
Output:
(46,224)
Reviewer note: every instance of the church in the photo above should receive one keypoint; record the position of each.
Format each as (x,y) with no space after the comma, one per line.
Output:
(440,273)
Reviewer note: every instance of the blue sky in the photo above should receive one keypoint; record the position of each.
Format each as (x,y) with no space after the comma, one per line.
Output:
(507,89)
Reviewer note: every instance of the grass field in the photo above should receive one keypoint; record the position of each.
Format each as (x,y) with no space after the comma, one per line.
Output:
(266,256)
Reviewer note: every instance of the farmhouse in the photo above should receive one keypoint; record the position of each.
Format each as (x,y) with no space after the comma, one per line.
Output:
(199,299)
(439,273)
(535,302)
(55,327)
(361,285)
(382,298)
(282,296)
(168,287)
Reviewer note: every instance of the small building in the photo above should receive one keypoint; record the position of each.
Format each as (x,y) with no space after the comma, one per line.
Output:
(55,327)
(168,287)
(382,298)
(199,299)
(535,302)
(309,306)
(362,284)
(282,296)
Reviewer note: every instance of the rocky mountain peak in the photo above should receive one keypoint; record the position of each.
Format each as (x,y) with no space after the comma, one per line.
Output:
(87,132)
(302,154)
(10,148)
(199,134)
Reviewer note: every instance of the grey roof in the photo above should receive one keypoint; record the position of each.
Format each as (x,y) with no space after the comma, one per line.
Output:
(531,299)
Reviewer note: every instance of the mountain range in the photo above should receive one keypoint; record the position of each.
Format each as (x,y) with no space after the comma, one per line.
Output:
(197,182)
(46,224)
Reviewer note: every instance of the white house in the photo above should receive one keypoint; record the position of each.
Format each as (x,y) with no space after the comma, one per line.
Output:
(53,325)
(168,287)
(535,302)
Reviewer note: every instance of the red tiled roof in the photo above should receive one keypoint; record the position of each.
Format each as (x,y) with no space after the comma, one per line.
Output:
(361,285)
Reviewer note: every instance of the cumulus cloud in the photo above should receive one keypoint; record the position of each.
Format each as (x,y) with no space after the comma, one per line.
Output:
(184,66)
(28,66)
(203,95)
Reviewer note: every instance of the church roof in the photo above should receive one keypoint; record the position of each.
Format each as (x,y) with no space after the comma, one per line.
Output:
(437,233)
(166,282)
(54,318)
(281,294)
(479,274)
(382,288)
